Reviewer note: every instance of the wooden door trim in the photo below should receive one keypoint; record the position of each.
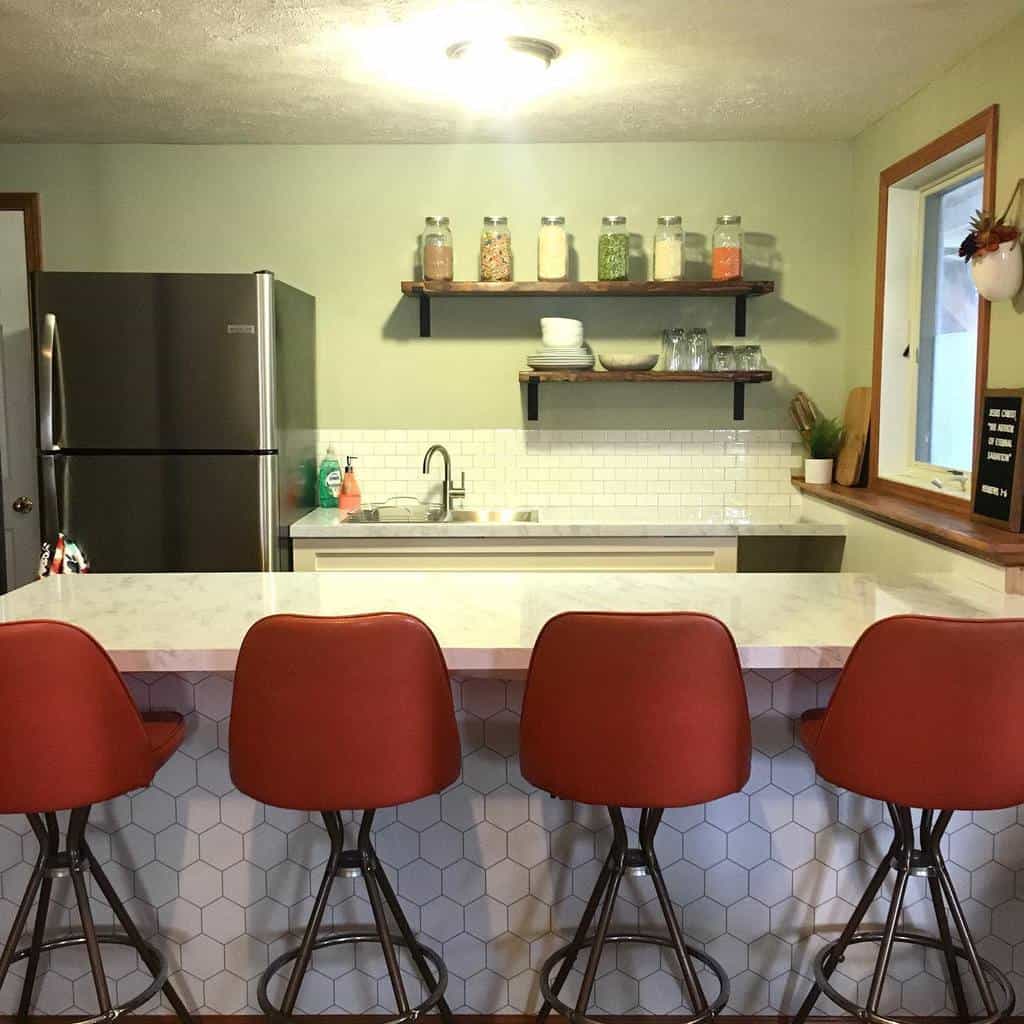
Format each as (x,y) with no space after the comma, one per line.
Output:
(985,123)
(28,204)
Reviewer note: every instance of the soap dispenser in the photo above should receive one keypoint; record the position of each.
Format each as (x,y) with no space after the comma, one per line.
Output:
(350,499)
(329,480)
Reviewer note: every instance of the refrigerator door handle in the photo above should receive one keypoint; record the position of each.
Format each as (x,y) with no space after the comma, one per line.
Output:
(52,521)
(51,386)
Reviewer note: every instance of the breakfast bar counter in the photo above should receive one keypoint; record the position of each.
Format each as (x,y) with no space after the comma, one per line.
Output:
(491,871)
(488,621)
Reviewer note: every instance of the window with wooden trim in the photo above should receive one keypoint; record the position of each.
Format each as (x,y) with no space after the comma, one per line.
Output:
(931,329)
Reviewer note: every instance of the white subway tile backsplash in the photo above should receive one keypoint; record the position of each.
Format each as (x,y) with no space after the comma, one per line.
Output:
(637,472)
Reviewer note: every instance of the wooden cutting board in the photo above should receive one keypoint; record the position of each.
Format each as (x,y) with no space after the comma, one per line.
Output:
(856,421)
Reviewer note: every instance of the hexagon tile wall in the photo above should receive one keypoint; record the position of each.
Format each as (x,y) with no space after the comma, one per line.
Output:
(491,872)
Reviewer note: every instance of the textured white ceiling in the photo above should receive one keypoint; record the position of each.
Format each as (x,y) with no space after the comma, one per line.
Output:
(360,71)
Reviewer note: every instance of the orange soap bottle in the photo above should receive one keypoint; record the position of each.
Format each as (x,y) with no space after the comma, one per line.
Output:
(350,498)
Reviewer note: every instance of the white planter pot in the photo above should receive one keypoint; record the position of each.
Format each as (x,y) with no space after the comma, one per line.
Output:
(818,471)
(998,275)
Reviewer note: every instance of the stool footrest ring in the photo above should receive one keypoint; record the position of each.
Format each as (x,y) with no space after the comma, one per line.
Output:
(143,997)
(714,1008)
(1005,1004)
(435,995)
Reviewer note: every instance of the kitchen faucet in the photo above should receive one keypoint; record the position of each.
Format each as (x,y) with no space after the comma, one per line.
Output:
(448,490)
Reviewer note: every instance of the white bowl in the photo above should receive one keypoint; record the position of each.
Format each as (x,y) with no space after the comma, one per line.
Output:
(628,361)
(560,323)
(560,343)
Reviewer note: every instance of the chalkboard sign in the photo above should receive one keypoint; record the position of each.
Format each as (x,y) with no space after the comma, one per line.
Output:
(998,470)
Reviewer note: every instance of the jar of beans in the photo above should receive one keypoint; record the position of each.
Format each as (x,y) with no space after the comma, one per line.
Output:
(495,250)
(613,249)
(436,251)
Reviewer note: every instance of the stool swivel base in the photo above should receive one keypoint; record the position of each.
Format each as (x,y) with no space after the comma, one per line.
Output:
(361,861)
(623,860)
(924,860)
(74,861)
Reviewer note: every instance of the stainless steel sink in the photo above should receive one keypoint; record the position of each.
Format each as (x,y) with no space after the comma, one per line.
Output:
(494,515)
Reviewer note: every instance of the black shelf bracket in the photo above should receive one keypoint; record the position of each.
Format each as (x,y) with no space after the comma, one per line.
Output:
(424,315)
(741,321)
(739,395)
(533,399)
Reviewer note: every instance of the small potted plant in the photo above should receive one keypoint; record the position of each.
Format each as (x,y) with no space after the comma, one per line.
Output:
(822,438)
(994,253)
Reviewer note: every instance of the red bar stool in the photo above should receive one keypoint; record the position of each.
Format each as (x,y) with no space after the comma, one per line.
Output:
(634,710)
(71,736)
(926,714)
(332,714)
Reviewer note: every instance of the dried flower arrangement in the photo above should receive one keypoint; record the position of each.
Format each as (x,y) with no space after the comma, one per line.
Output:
(989,232)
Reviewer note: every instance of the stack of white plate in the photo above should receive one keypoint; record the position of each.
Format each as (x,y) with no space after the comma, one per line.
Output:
(564,347)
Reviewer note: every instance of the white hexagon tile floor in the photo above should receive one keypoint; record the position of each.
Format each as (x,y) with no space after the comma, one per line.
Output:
(491,871)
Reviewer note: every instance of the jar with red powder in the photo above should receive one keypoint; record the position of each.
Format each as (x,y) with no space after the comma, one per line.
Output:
(727,248)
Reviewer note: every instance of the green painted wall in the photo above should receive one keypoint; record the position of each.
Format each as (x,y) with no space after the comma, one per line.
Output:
(341,222)
(992,74)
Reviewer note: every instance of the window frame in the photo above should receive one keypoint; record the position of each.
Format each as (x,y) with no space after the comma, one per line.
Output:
(982,125)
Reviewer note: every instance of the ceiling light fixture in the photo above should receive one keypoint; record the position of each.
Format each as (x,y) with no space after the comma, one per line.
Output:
(499,74)
(509,46)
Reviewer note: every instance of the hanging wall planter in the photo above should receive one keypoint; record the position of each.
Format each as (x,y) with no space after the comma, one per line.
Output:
(998,275)
(993,249)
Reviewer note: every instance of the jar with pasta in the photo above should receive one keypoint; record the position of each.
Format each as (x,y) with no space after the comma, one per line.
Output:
(552,250)
(613,249)
(495,250)
(669,254)
(436,252)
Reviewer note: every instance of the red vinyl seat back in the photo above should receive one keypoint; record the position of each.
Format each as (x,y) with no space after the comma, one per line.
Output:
(928,712)
(635,710)
(347,713)
(70,733)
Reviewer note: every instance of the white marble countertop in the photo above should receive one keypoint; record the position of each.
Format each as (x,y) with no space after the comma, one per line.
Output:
(324,522)
(488,621)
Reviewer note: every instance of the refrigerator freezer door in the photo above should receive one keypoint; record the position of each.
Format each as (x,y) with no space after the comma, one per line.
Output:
(149,362)
(164,513)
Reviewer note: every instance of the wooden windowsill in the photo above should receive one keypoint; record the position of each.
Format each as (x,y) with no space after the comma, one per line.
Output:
(1001,547)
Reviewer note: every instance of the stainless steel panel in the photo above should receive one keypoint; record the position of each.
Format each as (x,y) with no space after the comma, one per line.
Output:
(165,513)
(157,361)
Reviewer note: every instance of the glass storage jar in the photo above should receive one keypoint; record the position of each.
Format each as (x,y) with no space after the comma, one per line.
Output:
(698,349)
(727,248)
(673,340)
(436,253)
(613,250)
(723,357)
(495,250)
(552,250)
(749,357)
(669,249)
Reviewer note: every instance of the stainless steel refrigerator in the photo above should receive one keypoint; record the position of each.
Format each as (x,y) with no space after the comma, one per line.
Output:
(176,417)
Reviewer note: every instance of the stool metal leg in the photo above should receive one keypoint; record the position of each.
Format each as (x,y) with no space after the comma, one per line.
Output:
(620,843)
(698,1001)
(49,841)
(144,950)
(600,887)
(930,838)
(291,992)
(370,869)
(391,899)
(837,952)
(76,833)
(25,907)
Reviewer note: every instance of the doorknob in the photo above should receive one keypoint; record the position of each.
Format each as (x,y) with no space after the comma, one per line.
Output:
(22,505)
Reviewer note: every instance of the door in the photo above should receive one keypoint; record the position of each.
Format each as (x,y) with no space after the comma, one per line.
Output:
(164,513)
(19,499)
(157,362)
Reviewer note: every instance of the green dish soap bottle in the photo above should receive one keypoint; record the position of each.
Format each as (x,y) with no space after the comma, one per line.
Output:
(329,480)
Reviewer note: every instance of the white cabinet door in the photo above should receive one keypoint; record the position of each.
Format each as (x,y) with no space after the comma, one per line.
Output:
(19,512)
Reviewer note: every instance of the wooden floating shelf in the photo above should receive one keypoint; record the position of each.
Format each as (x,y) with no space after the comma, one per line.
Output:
(738,378)
(740,291)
